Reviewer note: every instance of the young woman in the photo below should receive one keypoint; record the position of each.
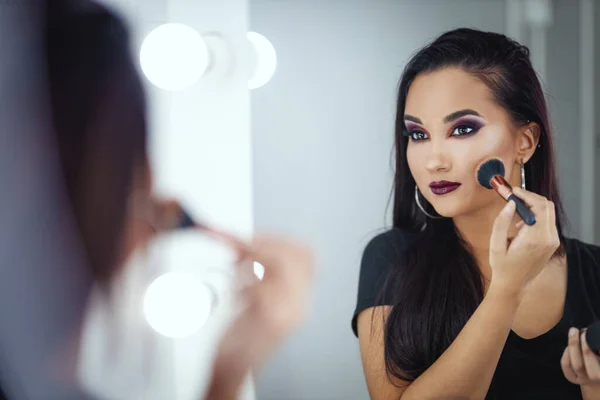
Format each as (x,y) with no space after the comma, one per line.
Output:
(460,299)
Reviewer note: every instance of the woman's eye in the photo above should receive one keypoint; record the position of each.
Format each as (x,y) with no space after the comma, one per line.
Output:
(462,130)
(418,135)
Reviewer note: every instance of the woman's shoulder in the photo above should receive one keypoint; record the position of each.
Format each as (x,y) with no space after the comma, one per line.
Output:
(587,254)
(389,244)
(583,263)
(382,253)
(380,256)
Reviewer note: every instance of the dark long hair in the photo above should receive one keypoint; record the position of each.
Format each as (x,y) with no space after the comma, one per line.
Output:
(439,285)
(98,113)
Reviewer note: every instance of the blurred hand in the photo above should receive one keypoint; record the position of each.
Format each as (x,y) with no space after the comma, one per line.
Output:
(515,265)
(274,307)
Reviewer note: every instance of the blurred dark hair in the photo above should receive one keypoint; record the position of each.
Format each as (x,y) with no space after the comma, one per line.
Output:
(439,286)
(98,111)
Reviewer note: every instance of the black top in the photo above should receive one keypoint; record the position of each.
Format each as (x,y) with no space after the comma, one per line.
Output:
(527,369)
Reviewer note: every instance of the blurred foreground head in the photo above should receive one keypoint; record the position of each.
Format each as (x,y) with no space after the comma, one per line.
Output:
(98,112)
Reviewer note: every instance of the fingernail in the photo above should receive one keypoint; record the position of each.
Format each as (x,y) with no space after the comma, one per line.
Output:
(573,331)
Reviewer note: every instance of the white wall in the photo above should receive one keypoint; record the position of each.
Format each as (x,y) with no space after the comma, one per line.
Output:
(597,69)
(200,151)
(564,94)
(563,100)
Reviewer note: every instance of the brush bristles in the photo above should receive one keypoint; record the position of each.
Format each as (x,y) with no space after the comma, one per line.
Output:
(487,170)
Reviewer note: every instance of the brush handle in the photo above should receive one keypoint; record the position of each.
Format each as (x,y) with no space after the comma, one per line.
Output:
(593,337)
(524,211)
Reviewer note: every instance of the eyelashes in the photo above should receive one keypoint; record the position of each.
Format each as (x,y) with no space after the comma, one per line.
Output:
(416,135)
(461,129)
(465,129)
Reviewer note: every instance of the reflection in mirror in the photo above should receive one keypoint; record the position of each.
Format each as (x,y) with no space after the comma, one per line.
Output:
(446,303)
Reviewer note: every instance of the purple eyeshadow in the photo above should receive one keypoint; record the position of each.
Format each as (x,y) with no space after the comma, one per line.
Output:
(412,126)
(473,122)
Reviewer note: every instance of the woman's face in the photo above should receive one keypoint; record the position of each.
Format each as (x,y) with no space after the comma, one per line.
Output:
(455,124)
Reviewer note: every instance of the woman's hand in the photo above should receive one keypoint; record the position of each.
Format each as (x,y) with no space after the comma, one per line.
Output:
(273,308)
(579,363)
(515,265)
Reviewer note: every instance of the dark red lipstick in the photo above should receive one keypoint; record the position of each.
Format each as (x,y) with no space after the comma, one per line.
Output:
(443,187)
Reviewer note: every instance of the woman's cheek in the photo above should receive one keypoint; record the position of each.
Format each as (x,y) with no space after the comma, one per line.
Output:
(412,157)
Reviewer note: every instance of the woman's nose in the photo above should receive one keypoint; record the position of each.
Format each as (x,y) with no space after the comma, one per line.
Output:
(437,158)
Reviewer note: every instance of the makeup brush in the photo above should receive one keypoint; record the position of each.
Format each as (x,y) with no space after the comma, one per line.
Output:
(593,337)
(170,216)
(490,175)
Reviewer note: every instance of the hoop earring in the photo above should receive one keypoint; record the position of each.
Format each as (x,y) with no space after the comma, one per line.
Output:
(523,185)
(421,207)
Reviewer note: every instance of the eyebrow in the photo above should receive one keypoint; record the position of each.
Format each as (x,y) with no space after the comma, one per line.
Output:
(448,118)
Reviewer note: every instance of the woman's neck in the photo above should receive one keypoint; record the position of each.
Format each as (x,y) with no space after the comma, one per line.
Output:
(476,230)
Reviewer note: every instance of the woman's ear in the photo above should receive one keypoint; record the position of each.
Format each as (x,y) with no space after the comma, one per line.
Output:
(527,141)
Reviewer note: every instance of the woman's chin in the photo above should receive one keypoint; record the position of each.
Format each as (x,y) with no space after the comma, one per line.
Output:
(449,210)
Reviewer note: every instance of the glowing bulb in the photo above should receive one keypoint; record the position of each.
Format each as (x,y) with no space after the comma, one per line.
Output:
(177,304)
(174,56)
(265,60)
(259,270)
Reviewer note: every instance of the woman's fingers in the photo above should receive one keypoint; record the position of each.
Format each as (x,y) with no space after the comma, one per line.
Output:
(532,200)
(590,360)
(502,224)
(575,354)
(544,230)
(567,368)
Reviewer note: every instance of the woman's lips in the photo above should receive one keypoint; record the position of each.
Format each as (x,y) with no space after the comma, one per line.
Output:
(443,187)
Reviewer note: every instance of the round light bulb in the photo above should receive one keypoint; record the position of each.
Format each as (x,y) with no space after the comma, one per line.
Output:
(174,56)
(259,270)
(265,60)
(177,304)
